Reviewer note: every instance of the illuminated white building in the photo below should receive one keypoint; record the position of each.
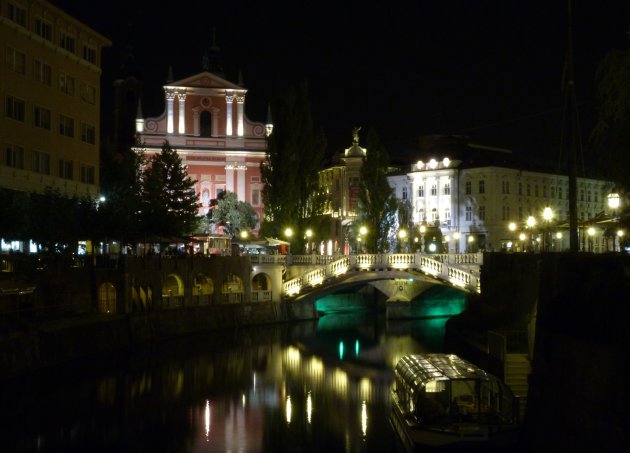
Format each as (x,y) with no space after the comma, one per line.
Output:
(478,203)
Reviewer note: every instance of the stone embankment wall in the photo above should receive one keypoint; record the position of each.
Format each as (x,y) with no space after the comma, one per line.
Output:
(576,310)
(59,342)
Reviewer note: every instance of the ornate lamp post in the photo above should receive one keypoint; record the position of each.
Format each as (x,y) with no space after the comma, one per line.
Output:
(456,237)
(423,230)
(309,235)
(547,216)
(288,233)
(531,223)
(402,235)
(362,233)
(512,228)
(613,203)
(591,233)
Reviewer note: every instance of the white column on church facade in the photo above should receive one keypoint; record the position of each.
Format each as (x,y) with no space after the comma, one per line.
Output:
(181,98)
(241,174)
(229,99)
(170,96)
(240,103)
(229,178)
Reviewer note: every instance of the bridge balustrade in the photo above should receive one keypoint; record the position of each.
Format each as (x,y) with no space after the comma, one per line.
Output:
(442,266)
(261,296)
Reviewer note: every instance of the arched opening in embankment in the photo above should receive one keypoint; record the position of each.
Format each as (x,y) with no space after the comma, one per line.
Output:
(107,298)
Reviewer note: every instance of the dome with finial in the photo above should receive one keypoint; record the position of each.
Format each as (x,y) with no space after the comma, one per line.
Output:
(355,150)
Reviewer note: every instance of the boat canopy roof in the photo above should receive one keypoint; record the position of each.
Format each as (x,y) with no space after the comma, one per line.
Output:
(419,369)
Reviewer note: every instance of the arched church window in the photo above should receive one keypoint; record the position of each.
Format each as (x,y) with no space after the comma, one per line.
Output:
(205,124)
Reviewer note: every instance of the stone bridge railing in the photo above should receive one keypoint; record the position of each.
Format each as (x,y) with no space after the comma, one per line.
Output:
(461,270)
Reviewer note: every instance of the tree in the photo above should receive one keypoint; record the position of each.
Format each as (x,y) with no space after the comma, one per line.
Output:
(121,187)
(233,215)
(377,202)
(169,202)
(290,173)
(611,135)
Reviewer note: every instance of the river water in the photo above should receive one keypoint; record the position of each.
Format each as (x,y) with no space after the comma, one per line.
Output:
(309,387)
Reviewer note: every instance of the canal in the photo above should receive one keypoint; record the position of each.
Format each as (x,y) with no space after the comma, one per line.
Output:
(311,386)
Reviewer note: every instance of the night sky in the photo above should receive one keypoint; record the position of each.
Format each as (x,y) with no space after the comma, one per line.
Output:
(491,70)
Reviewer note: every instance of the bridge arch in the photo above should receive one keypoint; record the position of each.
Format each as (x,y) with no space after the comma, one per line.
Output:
(261,282)
(203,289)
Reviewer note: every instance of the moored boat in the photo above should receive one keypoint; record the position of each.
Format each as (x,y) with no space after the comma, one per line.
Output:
(441,399)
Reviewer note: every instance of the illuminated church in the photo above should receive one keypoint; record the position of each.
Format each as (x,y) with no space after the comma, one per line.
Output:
(204,120)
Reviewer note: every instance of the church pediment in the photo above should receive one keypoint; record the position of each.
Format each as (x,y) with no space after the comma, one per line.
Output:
(205,80)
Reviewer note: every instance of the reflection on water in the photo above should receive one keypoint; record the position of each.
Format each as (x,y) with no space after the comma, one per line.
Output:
(314,386)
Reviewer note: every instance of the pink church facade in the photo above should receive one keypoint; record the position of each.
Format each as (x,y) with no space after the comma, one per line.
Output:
(205,122)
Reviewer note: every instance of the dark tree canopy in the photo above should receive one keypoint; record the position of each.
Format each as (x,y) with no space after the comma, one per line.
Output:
(611,135)
(295,155)
(377,202)
(169,202)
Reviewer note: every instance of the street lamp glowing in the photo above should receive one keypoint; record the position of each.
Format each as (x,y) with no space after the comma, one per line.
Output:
(522,236)
(309,233)
(620,233)
(591,231)
(363,231)
(559,235)
(244,234)
(471,239)
(512,226)
(456,235)
(547,214)
(288,232)
(531,222)
(402,234)
(613,200)
(423,229)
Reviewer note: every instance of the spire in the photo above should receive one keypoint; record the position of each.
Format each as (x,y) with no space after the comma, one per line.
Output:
(170,74)
(269,124)
(211,61)
(139,112)
(139,118)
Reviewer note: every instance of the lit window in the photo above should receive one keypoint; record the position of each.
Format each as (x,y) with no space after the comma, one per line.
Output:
(433,190)
(482,213)
(447,188)
(421,191)
(468,213)
(482,186)
(404,193)
(468,187)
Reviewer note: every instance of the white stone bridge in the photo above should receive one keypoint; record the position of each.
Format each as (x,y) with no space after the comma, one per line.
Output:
(306,273)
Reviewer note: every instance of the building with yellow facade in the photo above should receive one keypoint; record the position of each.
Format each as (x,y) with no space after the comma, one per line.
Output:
(50,74)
